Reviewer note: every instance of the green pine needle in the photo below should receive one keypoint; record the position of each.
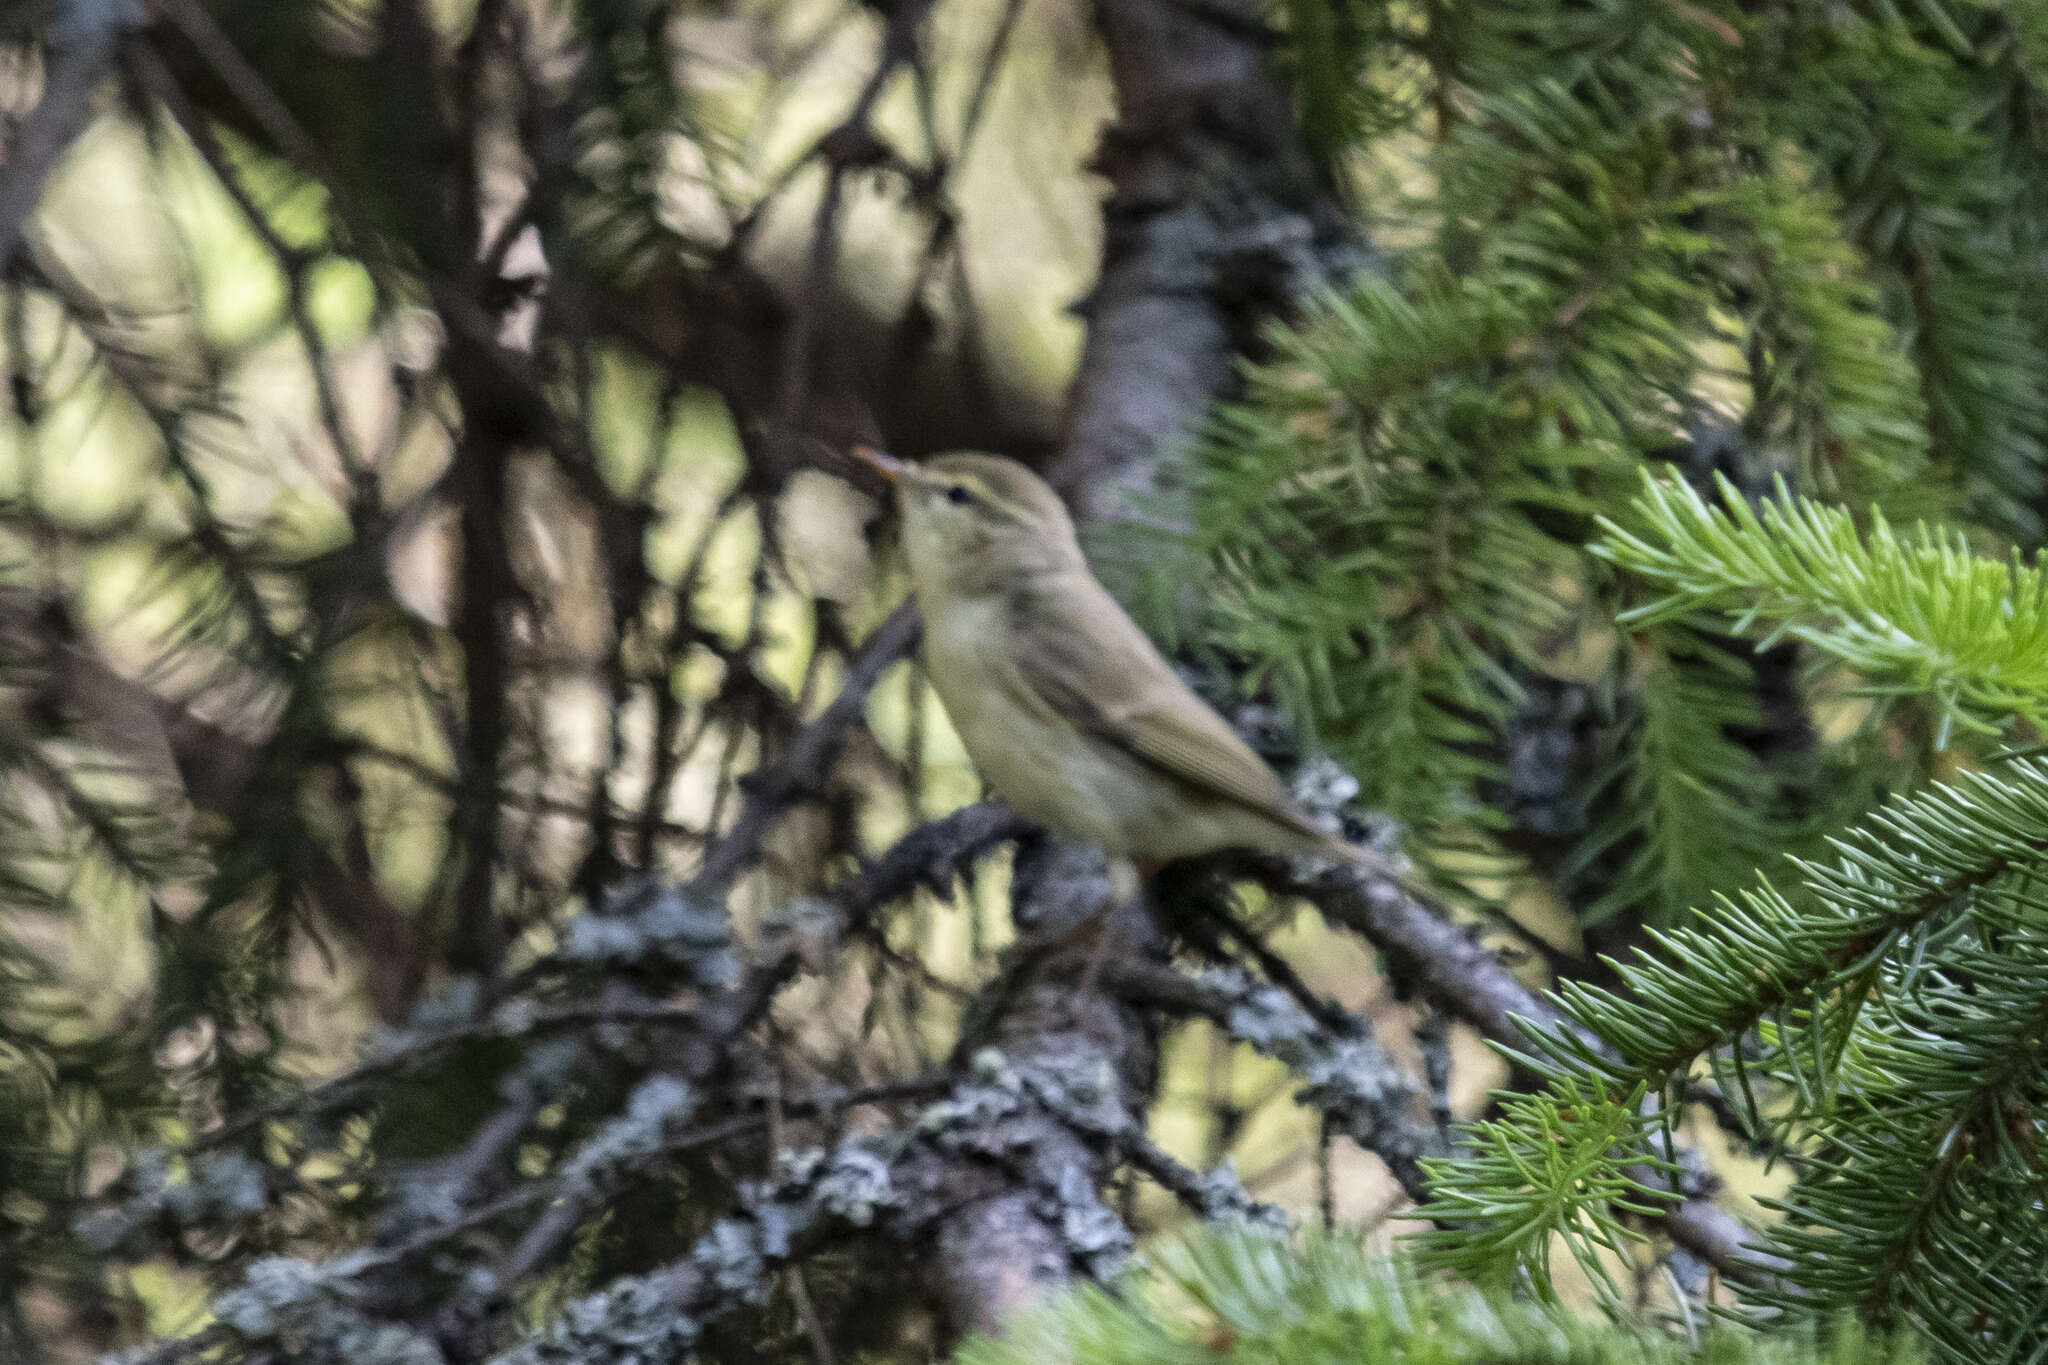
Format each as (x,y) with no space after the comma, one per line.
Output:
(1913,614)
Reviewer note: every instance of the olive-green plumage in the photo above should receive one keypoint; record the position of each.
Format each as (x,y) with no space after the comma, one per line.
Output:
(1064,705)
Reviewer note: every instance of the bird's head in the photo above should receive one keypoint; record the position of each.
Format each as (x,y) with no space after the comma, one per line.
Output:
(973,523)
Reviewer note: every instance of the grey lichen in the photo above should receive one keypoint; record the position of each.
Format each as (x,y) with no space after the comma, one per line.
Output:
(854,1184)
(168,1194)
(1004,1110)
(448,1010)
(734,1257)
(548,1068)
(422,1198)
(636,1320)
(1222,1198)
(1095,1237)
(1345,1074)
(972,1111)
(1326,790)
(1354,1081)
(1259,1014)
(655,1113)
(650,923)
(642,1320)
(312,1314)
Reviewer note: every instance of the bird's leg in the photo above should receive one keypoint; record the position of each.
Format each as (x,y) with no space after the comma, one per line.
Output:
(1127,881)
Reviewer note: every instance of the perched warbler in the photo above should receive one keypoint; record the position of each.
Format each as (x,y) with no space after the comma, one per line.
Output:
(1065,707)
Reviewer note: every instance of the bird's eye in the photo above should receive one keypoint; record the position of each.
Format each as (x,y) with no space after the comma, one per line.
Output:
(959,495)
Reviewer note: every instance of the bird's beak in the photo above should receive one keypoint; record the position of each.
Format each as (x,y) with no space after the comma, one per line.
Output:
(888,466)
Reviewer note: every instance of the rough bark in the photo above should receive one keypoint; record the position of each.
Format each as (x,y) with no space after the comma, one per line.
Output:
(1215,217)
(1022,1226)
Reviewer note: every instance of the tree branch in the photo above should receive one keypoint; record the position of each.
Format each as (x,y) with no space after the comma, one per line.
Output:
(1453,970)
(804,770)
(1212,223)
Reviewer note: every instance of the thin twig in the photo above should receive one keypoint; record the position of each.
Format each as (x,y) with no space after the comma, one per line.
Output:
(156,77)
(667,756)
(213,46)
(793,383)
(804,770)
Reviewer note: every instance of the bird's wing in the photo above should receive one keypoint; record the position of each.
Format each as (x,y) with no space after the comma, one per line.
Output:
(1142,707)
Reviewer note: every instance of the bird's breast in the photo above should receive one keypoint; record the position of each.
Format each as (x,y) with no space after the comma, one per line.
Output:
(1039,762)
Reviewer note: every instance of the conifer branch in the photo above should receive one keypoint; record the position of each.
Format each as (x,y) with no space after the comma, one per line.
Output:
(1914,614)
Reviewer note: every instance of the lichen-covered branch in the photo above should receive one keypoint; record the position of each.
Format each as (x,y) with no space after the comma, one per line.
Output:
(1450,967)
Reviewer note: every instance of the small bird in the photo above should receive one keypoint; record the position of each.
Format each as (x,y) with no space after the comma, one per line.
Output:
(1064,705)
